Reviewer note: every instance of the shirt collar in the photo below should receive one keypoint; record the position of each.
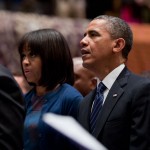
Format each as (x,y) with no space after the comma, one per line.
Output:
(112,76)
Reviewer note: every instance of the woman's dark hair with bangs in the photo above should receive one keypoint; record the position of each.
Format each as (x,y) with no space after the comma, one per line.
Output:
(53,49)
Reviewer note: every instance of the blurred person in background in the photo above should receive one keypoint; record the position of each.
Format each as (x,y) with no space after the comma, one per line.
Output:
(92,10)
(85,80)
(12,112)
(25,87)
(70,8)
(143,2)
(135,11)
(145,74)
(47,65)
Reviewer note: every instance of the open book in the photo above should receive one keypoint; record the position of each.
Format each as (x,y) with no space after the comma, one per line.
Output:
(70,128)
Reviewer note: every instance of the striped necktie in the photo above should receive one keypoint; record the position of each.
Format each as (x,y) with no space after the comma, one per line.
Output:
(97,105)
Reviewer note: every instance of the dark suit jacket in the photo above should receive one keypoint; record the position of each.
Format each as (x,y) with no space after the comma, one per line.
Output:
(124,121)
(11,112)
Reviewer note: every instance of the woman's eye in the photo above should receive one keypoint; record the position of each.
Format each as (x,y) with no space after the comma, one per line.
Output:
(22,56)
(32,55)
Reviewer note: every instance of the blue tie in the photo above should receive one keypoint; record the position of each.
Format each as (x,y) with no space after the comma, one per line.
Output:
(97,105)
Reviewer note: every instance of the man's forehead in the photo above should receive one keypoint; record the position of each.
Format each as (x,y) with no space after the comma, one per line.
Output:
(96,24)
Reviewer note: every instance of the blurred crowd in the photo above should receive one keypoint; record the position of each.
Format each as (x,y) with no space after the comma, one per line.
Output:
(14,25)
(129,10)
(70,17)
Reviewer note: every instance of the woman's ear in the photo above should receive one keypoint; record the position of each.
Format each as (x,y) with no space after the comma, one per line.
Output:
(119,44)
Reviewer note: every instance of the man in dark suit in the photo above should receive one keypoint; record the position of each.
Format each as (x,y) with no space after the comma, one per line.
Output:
(11,112)
(123,122)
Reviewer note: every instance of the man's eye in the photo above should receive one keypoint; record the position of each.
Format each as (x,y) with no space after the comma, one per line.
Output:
(94,34)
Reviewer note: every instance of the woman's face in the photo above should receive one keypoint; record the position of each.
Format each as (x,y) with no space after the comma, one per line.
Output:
(32,65)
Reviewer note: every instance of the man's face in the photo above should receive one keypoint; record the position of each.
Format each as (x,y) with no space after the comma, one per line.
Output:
(97,46)
(84,79)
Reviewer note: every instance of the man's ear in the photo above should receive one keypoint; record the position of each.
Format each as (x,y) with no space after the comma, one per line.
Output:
(119,44)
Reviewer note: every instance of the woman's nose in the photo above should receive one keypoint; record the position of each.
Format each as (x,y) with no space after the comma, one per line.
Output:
(26,60)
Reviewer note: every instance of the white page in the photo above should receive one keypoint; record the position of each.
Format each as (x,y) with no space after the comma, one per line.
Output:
(72,129)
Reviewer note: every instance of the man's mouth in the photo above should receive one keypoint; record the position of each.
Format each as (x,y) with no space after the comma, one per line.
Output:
(84,52)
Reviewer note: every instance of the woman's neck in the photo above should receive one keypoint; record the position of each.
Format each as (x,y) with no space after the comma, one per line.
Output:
(40,90)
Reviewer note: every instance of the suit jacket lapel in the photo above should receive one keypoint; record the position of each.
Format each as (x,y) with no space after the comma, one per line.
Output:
(112,98)
(85,110)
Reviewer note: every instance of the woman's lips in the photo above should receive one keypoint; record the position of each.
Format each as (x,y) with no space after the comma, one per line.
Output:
(26,72)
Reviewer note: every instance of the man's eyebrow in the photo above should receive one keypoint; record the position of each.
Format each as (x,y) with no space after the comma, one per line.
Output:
(88,32)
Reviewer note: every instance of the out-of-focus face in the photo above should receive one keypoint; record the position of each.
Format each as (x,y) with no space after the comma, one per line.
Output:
(32,66)
(97,46)
(70,8)
(84,79)
(22,83)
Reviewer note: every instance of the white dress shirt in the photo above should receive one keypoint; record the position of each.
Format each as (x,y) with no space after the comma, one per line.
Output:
(109,80)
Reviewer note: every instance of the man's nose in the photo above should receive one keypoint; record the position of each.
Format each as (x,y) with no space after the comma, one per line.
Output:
(84,42)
